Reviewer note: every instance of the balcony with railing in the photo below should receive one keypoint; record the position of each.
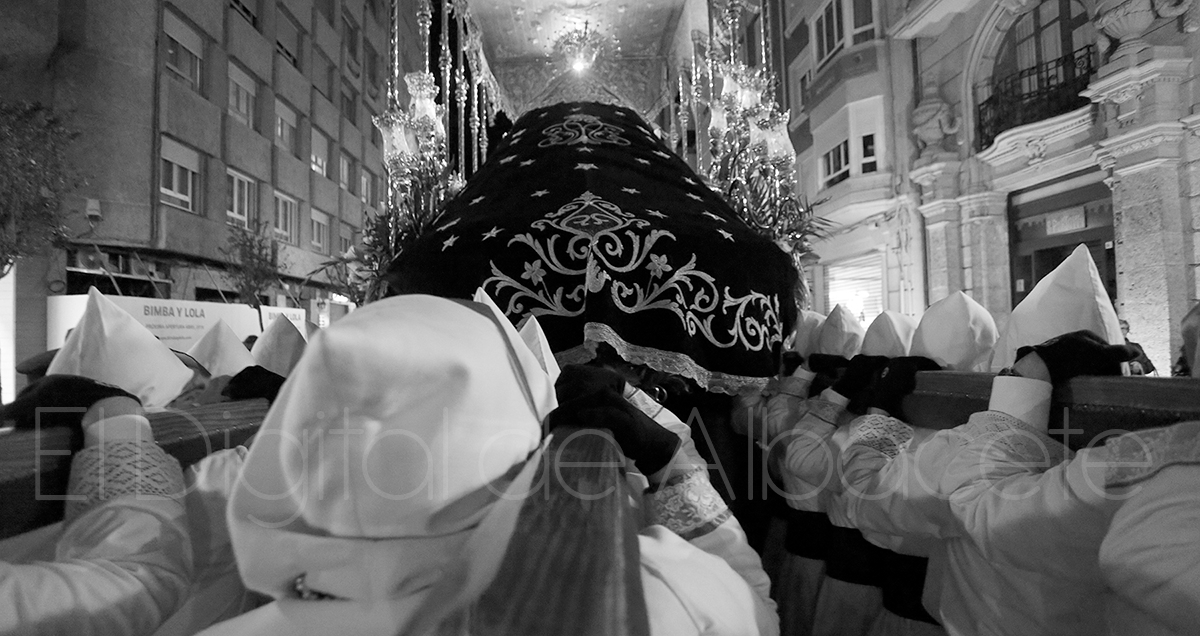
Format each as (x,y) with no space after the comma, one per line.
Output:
(1033,94)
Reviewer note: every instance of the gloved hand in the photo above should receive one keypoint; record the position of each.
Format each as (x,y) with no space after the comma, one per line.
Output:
(898,379)
(254,382)
(58,392)
(641,439)
(791,362)
(1079,353)
(826,364)
(859,376)
(578,380)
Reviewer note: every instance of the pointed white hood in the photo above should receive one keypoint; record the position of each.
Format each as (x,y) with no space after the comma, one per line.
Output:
(374,464)
(220,351)
(841,335)
(890,335)
(808,329)
(109,345)
(1070,298)
(279,348)
(537,378)
(534,338)
(955,332)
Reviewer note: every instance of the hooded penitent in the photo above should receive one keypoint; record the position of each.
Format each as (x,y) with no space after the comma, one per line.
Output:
(956,332)
(279,348)
(1070,298)
(110,346)
(220,351)
(841,335)
(534,338)
(890,335)
(808,327)
(373,467)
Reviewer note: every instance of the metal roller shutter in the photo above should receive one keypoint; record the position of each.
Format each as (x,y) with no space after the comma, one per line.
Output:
(857,285)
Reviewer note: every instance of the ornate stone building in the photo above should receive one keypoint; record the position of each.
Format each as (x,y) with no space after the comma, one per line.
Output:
(1005,133)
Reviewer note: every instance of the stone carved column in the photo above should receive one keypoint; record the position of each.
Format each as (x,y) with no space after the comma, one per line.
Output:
(987,267)
(943,244)
(1153,227)
(943,238)
(1153,277)
(906,259)
(1191,190)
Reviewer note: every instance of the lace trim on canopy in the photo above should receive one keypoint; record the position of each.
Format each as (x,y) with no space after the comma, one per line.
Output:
(1138,456)
(1017,438)
(883,433)
(688,505)
(119,468)
(595,333)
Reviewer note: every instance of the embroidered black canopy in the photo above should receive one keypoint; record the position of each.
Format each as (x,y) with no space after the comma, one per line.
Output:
(584,218)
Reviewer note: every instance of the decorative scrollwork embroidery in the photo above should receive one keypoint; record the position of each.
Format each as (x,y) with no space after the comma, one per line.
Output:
(582,129)
(591,241)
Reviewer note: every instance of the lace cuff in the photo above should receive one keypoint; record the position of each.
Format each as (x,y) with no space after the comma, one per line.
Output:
(885,434)
(795,386)
(1138,456)
(644,403)
(688,505)
(1021,441)
(826,411)
(119,468)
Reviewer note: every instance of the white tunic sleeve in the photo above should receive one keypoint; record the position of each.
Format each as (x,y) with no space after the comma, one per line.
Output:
(1022,504)
(751,415)
(1150,557)
(691,592)
(893,489)
(687,456)
(123,563)
(691,508)
(217,592)
(809,464)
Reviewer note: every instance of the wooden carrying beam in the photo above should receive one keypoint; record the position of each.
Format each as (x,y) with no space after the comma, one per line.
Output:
(573,566)
(1082,414)
(35,465)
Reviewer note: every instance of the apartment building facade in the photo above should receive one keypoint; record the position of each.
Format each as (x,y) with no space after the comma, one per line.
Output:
(197,116)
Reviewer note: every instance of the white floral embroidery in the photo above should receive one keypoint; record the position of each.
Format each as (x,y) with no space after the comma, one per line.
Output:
(589,237)
(658,265)
(534,272)
(688,505)
(1137,456)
